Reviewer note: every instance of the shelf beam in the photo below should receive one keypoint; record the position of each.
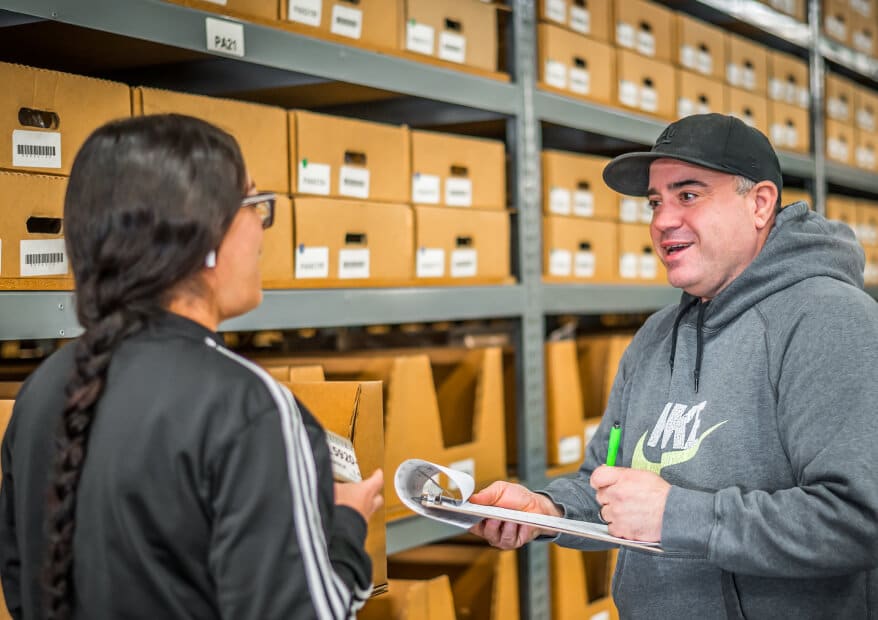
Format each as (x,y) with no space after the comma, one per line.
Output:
(609,298)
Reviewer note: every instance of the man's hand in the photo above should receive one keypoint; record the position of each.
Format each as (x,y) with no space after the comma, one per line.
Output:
(632,501)
(364,497)
(503,534)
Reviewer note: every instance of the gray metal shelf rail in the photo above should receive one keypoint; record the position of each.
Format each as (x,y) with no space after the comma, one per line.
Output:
(275,57)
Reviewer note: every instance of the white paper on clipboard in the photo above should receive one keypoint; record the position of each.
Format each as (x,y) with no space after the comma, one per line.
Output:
(416,479)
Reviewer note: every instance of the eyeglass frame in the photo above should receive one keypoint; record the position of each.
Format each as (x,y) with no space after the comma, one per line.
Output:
(268,198)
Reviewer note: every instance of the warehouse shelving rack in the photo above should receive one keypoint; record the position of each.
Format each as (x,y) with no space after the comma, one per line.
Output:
(277,58)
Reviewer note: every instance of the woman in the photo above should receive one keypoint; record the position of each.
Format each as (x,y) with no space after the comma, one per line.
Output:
(182,481)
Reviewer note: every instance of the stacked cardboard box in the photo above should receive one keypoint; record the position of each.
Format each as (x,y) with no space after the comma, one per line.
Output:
(789,98)
(581,584)
(851,23)
(701,58)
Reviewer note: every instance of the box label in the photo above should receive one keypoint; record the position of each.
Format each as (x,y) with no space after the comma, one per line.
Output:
(36,149)
(779,134)
(733,74)
(560,262)
(837,149)
(865,119)
(583,203)
(353,181)
(646,43)
(224,37)
(601,615)
(645,211)
(347,22)
(865,157)
(624,35)
(452,47)
(648,99)
(685,107)
(688,56)
(419,38)
(748,78)
(569,449)
(580,20)
(430,263)
(628,209)
(458,192)
(777,89)
(556,10)
(584,264)
(628,265)
(467,466)
(344,460)
(219,2)
(464,263)
(308,12)
(312,262)
(704,62)
(837,109)
(44,257)
(353,263)
(425,189)
(863,42)
(580,81)
(556,74)
(559,201)
(313,178)
(628,93)
(648,266)
(835,27)
(803,98)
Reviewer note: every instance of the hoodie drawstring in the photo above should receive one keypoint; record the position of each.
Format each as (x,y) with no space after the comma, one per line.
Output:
(680,314)
(699,328)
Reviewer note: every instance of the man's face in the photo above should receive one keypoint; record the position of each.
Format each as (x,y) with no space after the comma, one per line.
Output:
(702,229)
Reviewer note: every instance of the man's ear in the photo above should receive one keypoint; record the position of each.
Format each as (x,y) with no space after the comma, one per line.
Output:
(765,201)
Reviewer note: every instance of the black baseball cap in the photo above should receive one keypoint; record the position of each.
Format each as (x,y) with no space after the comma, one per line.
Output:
(714,141)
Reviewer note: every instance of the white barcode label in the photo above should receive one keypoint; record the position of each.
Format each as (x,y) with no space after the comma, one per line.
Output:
(792,136)
(430,263)
(628,209)
(688,56)
(312,262)
(863,7)
(748,79)
(865,119)
(776,89)
(569,450)
(347,22)
(313,178)
(648,99)
(792,93)
(584,264)
(467,466)
(778,133)
(419,38)
(36,149)
(624,35)
(733,74)
(646,43)
(836,27)
(685,107)
(645,211)
(837,109)
(863,42)
(464,263)
(458,192)
(353,181)
(803,97)
(44,257)
(224,37)
(601,615)
(353,263)
(560,262)
(580,20)
(344,460)
(648,266)
(628,93)
(580,81)
(556,10)
(219,2)
(703,107)
(583,203)
(559,201)
(556,74)
(837,149)
(425,189)
(307,12)
(865,157)
(628,265)
(452,47)
(704,62)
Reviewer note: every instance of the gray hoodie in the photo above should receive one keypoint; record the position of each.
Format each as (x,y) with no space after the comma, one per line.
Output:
(761,409)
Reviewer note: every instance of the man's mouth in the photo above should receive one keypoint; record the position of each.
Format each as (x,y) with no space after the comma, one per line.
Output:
(673,248)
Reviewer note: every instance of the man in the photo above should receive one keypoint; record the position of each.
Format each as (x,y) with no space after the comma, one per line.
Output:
(748,411)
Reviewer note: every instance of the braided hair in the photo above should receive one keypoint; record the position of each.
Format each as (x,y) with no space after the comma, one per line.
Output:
(147,199)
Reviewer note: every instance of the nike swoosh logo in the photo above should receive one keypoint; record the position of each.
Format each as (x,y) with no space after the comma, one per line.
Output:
(668,458)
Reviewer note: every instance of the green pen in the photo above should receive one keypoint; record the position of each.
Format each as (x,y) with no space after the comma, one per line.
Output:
(613,448)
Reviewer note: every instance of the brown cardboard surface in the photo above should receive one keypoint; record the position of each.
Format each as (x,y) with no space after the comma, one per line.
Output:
(265,9)
(843,209)
(412,599)
(788,79)
(457,158)
(581,584)
(464,236)
(746,64)
(865,108)
(592,18)
(836,20)
(475,21)
(867,216)
(260,130)
(793,8)
(638,262)
(749,107)
(580,250)
(565,429)
(599,356)
(646,85)
(379,150)
(870,273)
(697,94)
(701,47)
(788,127)
(865,150)
(374,23)
(355,411)
(385,230)
(565,58)
(861,35)
(276,262)
(646,28)
(790,195)
(573,185)
(24,197)
(80,105)
(840,143)
(840,99)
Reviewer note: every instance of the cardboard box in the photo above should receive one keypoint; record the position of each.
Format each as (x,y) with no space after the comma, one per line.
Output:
(862,8)
(862,36)
(865,109)
(484,581)
(701,47)
(576,65)
(578,250)
(789,128)
(581,584)
(870,272)
(355,411)
(276,261)
(697,94)
(788,79)
(638,262)
(347,158)
(646,85)
(45,116)
(634,209)
(263,9)
(598,357)
(836,20)
(460,245)
(573,185)
(840,143)
(789,195)
(32,251)
(458,31)
(840,99)
(374,23)
(746,64)
(749,107)
(565,427)
(867,216)
(843,209)
(793,8)
(412,599)
(591,18)
(646,28)
(350,243)
(865,150)
(458,171)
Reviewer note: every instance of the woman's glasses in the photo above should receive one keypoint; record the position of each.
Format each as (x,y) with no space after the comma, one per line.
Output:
(263,203)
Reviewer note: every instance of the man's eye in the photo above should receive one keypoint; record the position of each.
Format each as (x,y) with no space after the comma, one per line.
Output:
(686,196)
(654,204)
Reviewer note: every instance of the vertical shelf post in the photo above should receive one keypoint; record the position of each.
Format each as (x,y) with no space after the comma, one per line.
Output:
(816,68)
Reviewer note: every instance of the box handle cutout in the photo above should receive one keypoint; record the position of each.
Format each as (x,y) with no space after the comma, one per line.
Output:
(453,24)
(647,249)
(585,246)
(580,62)
(580,3)
(459,171)
(748,112)
(464,242)
(44,225)
(703,99)
(791,78)
(356,2)
(703,47)
(584,185)
(646,26)
(355,239)
(647,82)
(355,157)
(748,64)
(42,119)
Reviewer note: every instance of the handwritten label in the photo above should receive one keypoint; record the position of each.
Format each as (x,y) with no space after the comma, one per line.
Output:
(307,12)
(312,262)
(560,262)
(430,263)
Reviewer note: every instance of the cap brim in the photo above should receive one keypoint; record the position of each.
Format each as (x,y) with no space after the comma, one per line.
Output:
(629,173)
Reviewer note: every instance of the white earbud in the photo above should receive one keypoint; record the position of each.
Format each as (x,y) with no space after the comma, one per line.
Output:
(210,259)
